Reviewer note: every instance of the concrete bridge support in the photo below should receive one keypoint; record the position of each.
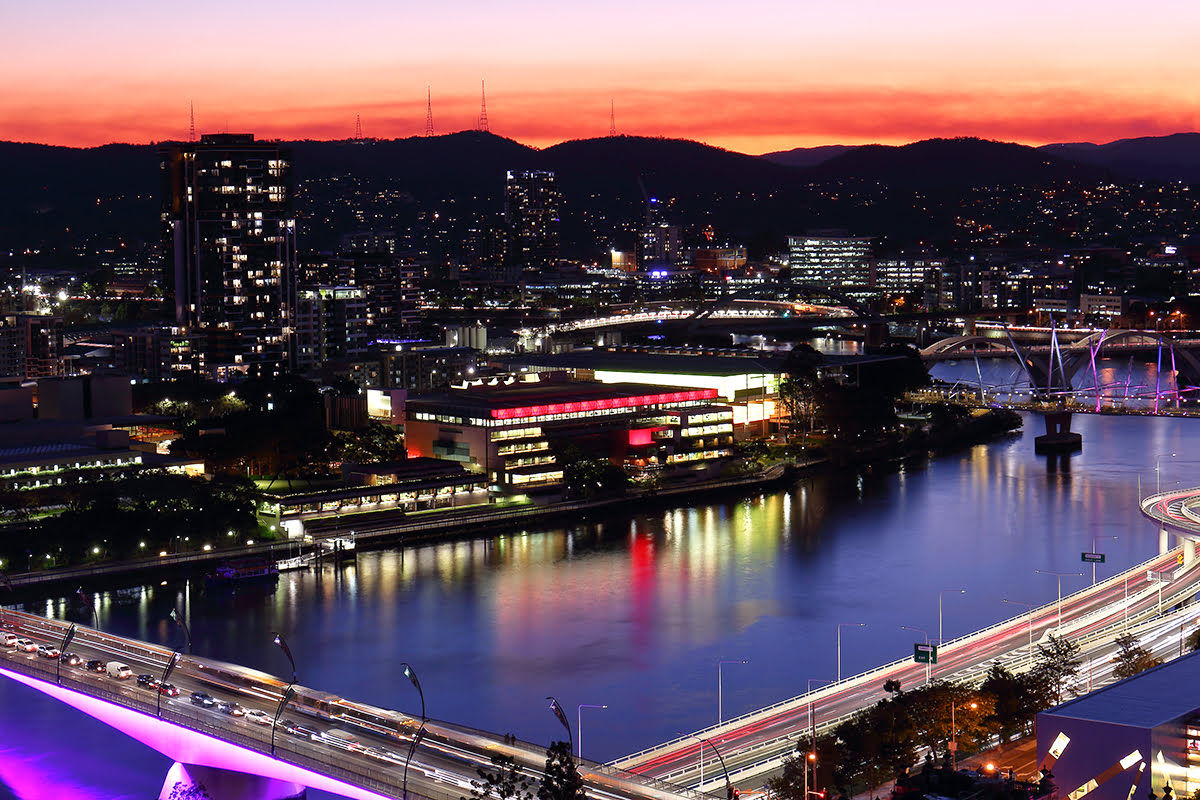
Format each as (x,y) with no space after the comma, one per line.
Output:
(194,782)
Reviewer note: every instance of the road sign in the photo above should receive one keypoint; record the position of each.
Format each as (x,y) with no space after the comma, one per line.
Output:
(1092,558)
(925,653)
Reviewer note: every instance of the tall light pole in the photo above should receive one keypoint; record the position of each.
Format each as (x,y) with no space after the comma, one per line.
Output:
(940,593)
(70,634)
(562,717)
(411,674)
(1157,474)
(579,727)
(720,664)
(728,783)
(178,619)
(1094,538)
(954,737)
(928,664)
(1059,575)
(1029,606)
(811,755)
(839,643)
(282,644)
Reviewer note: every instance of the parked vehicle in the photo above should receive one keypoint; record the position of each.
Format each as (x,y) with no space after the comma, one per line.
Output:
(203,699)
(118,670)
(8,639)
(46,651)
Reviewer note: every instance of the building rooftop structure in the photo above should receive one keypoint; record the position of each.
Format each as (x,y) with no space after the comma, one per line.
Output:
(1146,700)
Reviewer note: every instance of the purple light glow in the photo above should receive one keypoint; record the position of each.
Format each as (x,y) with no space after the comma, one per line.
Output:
(191,747)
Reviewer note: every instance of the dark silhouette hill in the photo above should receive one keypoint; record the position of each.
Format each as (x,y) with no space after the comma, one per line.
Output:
(804,157)
(1157,158)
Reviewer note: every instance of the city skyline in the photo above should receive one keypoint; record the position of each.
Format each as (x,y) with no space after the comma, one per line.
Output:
(750,77)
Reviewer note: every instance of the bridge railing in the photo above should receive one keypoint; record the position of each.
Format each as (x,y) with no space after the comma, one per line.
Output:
(803,699)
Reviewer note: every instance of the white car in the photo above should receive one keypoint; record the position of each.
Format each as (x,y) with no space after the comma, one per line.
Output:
(47,651)
(258,717)
(25,645)
(8,639)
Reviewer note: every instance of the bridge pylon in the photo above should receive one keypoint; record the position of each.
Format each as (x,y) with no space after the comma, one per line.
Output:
(1058,438)
(225,784)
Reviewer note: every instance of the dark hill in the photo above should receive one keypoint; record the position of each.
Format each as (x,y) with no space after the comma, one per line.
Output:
(803,157)
(952,163)
(1157,158)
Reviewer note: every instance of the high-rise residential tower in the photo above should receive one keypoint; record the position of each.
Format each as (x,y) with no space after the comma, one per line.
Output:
(230,238)
(531,211)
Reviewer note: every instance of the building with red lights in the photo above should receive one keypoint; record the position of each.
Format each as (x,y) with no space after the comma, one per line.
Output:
(516,430)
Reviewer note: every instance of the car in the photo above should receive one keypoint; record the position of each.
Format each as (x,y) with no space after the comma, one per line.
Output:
(232,709)
(168,689)
(8,639)
(95,665)
(147,680)
(203,699)
(258,717)
(46,651)
(26,646)
(71,659)
(296,729)
(342,739)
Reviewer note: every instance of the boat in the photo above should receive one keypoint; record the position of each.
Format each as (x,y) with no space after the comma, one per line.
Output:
(242,570)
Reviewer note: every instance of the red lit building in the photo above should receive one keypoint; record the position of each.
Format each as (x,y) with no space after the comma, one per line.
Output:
(515,430)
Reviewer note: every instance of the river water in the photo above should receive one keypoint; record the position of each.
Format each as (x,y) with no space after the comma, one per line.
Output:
(635,612)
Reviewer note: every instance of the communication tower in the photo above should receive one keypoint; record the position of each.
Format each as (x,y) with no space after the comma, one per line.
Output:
(428,113)
(483,123)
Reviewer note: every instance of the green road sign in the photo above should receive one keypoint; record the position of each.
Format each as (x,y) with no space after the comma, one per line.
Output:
(1092,558)
(925,653)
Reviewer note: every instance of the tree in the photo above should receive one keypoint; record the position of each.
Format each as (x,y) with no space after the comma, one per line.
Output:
(1058,662)
(1012,700)
(505,783)
(1193,641)
(789,784)
(560,779)
(1131,657)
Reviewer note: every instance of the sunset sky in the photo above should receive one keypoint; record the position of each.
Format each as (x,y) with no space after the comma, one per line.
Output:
(748,75)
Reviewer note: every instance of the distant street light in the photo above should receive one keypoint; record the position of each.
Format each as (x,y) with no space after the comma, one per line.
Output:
(1094,538)
(412,678)
(954,737)
(411,674)
(1157,470)
(1059,575)
(728,783)
(281,643)
(719,665)
(579,726)
(940,593)
(70,634)
(178,619)
(839,643)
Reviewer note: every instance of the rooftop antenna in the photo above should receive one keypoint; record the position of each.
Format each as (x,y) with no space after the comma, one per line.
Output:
(612,118)
(483,123)
(428,113)
(192,124)
(357,128)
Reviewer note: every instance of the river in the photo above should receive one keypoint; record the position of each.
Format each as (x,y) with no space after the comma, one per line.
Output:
(635,612)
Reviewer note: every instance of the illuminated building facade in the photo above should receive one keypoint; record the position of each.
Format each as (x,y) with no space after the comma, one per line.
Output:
(230,237)
(531,211)
(331,325)
(514,430)
(1127,739)
(836,262)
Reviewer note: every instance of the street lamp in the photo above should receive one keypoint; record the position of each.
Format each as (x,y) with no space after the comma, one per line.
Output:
(839,643)
(1030,607)
(954,737)
(928,664)
(70,634)
(579,726)
(811,756)
(171,662)
(562,717)
(1059,575)
(1157,474)
(412,677)
(719,665)
(1094,538)
(281,643)
(940,593)
(178,619)
(411,749)
(411,674)
(728,783)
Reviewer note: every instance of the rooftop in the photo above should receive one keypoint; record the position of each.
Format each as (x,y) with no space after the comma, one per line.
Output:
(1146,700)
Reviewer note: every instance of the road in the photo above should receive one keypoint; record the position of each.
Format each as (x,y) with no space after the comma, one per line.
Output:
(754,745)
(357,743)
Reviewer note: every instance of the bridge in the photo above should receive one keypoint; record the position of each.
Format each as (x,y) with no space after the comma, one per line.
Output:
(755,745)
(288,737)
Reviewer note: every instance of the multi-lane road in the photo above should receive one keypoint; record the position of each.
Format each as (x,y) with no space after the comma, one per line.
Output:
(358,744)
(755,744)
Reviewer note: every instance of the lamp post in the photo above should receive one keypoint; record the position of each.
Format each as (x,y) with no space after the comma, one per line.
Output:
(70,634)
(1157,473)
(1059,575)
(420,734)
(579,726)
(940,593)
(811,755)
(928,664)
(412,677)
(91,606)
(839,644)
(720,664)
(178,619)
(728,783)
(954,737)
(1029,606)
(1094,538)
(562,717)
(288,693)
(171,662)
